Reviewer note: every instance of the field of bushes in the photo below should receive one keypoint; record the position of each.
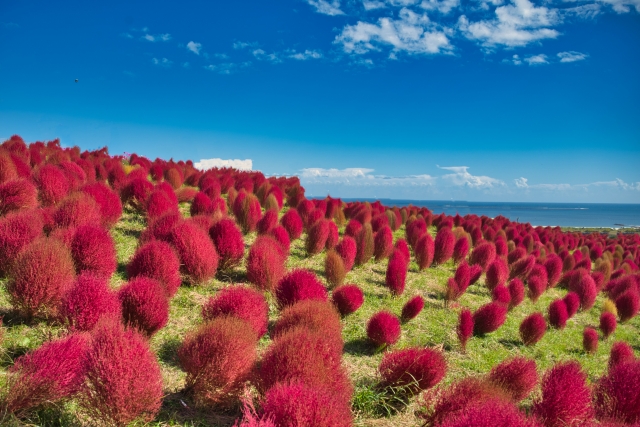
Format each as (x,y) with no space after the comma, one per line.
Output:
(147,292)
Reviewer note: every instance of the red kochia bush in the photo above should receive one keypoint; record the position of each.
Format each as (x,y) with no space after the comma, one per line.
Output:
(424,250)
(412,308)
(157,260)
(41,274)
(533,328)
(144,305)
(497,273)
(536,288)
(347,249)
(621,352)
(501,294)
(333,237)
(607,323)
(383,328)
(44,376)
(617,395)
(316,316)
(77,210)
(317,237)
(522,267)
(628,305)
(301,355)
(353,228)
(383,243)
(403,247)
(556,407)
(553,265)
(516,376)
(465,327)
(53,185)
(107,200)
(298,405)
(93,249)
(218,357)
(590,340)
(583,285)
(483,255)
(123,381)
(489,413)
(242,302)
(413,369)
(364,244)
(460,249)
(227,238)
(265,263)
(198,256)
(558,314)
(396,274)
(443,246)
(299,285)
(17,194)
(462,276)
(489,318)
(516,289)
(87,301)
(17,230)
(158,203)
(572,301)
(334,269)
(268,221)
(247,211)
(347,299)
(292,222)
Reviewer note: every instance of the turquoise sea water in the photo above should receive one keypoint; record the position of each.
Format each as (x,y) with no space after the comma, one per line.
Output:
(552,214)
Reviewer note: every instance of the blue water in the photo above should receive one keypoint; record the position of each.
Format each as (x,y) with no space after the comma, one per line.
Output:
(551,214)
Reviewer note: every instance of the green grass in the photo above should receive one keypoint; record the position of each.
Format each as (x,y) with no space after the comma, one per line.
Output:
(434,327)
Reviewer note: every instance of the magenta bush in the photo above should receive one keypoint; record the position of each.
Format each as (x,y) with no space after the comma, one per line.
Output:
(502,295)
(465,327)
(157,260)
(383,328)
(497,273)
(583,285)
(483,255)
(17,194)
(317,237)
(533,328)
(347,249)
(621,352)
(242,302)
(572,301)
(517,376)
(292,222)
(229,243)
(299,285)
(489,413)
(443,246)
(590,340)
(412,369)
(364,244)
(107,200)
(516,290)
(462,276)
(460,249)
(424,251)
(53,185)
(383,243)
(198,255)
(412,308)
(617,395)
(144,305)
(87,301)
(76,210)
(489,318)
(628,305)
(558,314)
(93,249)
(396,273)
(553,265)
(608,323)
(268,222)
(17,230)
(265,263)
(347,299)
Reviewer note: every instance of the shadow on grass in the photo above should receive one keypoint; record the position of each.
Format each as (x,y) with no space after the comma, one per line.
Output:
(232,276)
(359,347)
(373,400)
(178,409)
(511,343)
(122,270)
(168,351)
(131,232)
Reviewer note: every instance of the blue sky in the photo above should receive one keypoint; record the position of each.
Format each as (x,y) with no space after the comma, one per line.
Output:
(515,100)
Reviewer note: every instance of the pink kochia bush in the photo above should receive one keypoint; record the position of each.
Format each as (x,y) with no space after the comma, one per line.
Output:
(483,255)
(584,285)
(87,301)
(608,323)
(617,395)
(497,273)
(516,290)
(265,263)
(572,301)
(107,200)
(621,352)
(17,194)
(412,308)
(229,243)
(558,314)
(292,222)
(123,381)
(157,260)
(517,376)
(533,328)
(443,246)
(489,413)
(465,327)
(53,185)
(489,318)
(383,328)
(218,357)
(47,375)
(77,210)
(347,249)
(460,249)
(383,243)
(144,305)
(558,408)
(424,251)
(315,316)
(347,299)
(41,274)
(412,369)
(590,340)
(299,285)
(628,304)
(396,274)
(93,249)
(299,405)
(198,255)
(240,301)
(17,230)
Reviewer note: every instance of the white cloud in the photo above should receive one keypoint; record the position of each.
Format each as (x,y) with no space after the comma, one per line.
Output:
(327,7)
(411,33)
(373,4)
(521,182)
(165,37)
(227,67)
(244,45)
(164,62)
(462,177)
(149,37)
(307,54)
(515,60)
(572,56)
(204,164)
(537,59)
(617,183)
(622,6)
(517,24)
(336,173)
(264,56)
(442,6)
(194,47)
(360,177)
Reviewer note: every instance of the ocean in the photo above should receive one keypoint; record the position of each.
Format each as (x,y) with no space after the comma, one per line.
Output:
(544,214)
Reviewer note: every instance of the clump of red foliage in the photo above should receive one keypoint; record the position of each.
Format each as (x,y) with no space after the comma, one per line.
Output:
(93,249)
(87,301)
(292,222)
(396,273)
(364,244)
(383,328)
(516,290)
(617,395)
(383,243)
(298,285)
(315,316)
(465,327)
(242,302)
(628,304)
(144,305)
(424,251)
(483,255)
(17,230)
(347,299)
(533,328)
(590,339)
(516,376)
(347,248)
(157,260)
(334,270)
(608,323)
(412,369)
(489,318)
(198,255)
(412,308)
(621,352)
(265,263)
(227,238)
(558,314)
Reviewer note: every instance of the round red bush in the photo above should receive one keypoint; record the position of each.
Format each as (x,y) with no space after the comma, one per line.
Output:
(268,222)
(87,301)
(41,274)
(53,185)
(617,395)
(516,289)
(247,211)
(572,301)
(412,308)
(396,274)
(558,314)
(333,237)
(413,369)
(443,245)
(516,376)
(465,327)
(489,318)
(229,243)
(347,249)
(383,328)
(107,200)
(347,299)
(536,287)
(483,255)
(198,255)
(584,285)
(242,302)
(460,249)
(201,204)
(621,352)
(533,328)
(281,236)
(136,191)
(76,210)
(501,294)
(265,263)
(497,273)
(553,265)
(123,382)
(317,237)
(93,249)
(590,340)
(17,194)
(424,251)
(157,260)
(316,316)
(292,222)
(144,305)
(17,230)
(403,247)
(364,244)
(383,243)
(489,413)
(299,285)
(628,305)
(608,323)
(353,228)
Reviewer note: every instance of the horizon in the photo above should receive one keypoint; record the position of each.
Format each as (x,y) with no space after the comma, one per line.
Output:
(500,100)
